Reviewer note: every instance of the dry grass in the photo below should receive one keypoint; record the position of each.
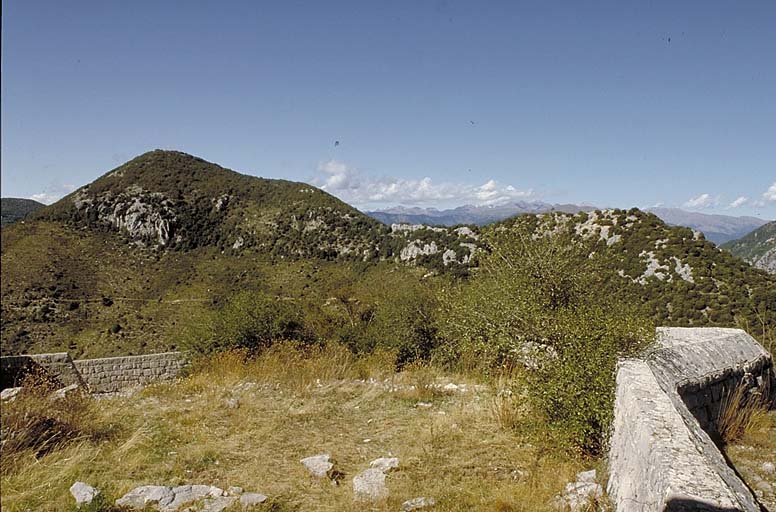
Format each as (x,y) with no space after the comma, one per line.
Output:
(294,403)
(742,412)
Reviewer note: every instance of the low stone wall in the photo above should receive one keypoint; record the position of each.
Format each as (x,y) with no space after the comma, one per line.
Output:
(112,374)
(662,456)
(104,375)
(58,366)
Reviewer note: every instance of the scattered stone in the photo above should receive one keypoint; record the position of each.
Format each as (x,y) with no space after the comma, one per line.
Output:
(369,485)
(232,403)
(251,499)
(234,491)
(768,467)
(140,497)
(424,405)
(319,465)
(450,387)
(763,486)
(63,392)
(578,495)
(218,504)
(385,464)
(9,394)
(83,493)
(587,476)
(170,499)
(417,504)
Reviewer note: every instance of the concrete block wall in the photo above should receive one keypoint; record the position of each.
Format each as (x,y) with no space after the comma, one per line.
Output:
(662,456)
(112,374)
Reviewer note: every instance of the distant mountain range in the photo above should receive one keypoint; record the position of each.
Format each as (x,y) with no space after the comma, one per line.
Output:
(470,214)
(13,209)
(716,228)
(758,247)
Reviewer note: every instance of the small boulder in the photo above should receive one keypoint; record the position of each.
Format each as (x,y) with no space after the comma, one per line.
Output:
(369,485)
(9,394)
(218,504)
(251,499)
(768,468)
(234,491)
(385,464)
(64,392)
(578,495)
(83,493)
(417,504)
(319,466)
(145,495)
(233,403)
(587,476)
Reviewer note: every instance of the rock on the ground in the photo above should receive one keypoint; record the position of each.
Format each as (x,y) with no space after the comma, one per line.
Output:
(234,491)
(319,465)
(251,499)
(578,495)
(417,504)
(145,495)
(587,476)
(169,498)
(83,493)
(385,464)
(369,485)
(64,392)
(9,394)
(218,504)
(768,467)
(232,403)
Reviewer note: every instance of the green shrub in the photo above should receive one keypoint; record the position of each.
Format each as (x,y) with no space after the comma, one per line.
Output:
(249,320)
(540,304)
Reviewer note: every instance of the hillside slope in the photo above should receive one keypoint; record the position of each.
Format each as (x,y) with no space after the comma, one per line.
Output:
(678,276)
(123,264)
(758,247)
(15,209)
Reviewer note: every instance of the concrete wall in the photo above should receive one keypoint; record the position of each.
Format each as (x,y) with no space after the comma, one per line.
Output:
(97,375)
(662,456)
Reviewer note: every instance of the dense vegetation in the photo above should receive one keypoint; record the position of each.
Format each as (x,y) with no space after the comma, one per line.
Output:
(13,209)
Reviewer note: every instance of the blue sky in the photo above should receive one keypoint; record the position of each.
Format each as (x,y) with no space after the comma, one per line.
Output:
(434,103)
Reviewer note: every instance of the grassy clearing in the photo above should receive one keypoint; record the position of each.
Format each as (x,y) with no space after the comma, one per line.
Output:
(463,449)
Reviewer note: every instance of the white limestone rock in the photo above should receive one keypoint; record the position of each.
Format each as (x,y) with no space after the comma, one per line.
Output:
(369,485)
(252,499)
(9,394)
(320,466)
(385,464)
(417,504)
(140,497)
(83,493)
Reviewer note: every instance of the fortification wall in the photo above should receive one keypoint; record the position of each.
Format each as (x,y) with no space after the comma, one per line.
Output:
(57,365)
(662,455)
(104,375)
(112,374)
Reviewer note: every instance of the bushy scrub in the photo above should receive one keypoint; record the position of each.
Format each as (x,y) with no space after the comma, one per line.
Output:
(250,320)
(538,303)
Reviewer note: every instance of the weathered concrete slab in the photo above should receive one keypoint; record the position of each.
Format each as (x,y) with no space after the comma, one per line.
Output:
(661,456)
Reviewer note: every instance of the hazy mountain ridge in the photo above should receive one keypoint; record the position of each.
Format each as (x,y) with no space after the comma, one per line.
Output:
(14,209)
(758,247)
(469,214)
(717,228)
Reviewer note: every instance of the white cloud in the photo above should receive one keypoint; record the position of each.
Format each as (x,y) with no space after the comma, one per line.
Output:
(701,202)
(770,194)
(52,193)
(357,188)
(741,201)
